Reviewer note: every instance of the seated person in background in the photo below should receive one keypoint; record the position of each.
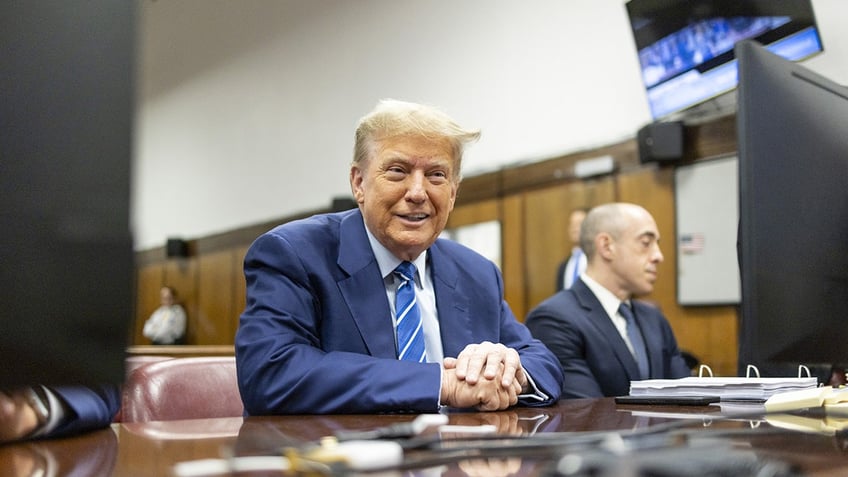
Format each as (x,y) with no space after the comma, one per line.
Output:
(318,335)
(167,324)
(575,264)
(34,412)
(601,348)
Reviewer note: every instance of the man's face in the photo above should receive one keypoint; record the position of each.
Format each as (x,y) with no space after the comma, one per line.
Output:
(166,297)
(637,254)
(406,190)
(574,221)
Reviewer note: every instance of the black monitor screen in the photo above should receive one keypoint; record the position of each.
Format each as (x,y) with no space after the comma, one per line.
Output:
(66,259)
(793,235)
(685,47)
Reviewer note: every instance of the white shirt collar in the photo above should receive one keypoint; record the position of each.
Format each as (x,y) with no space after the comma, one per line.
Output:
(388,262)
(608,300)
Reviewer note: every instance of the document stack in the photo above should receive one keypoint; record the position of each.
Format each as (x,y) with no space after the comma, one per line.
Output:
(755,389)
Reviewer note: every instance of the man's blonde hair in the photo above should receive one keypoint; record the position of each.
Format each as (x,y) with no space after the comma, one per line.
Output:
(392,118)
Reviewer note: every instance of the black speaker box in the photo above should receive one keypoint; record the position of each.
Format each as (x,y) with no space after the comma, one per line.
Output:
(661,142)
(176,248)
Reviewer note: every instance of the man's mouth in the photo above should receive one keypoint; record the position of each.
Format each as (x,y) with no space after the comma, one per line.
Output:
(414,217)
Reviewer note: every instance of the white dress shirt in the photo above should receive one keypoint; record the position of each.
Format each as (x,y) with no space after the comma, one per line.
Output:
(611,303)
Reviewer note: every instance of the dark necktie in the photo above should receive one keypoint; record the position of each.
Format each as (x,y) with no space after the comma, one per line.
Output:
(635,336)
(410,335)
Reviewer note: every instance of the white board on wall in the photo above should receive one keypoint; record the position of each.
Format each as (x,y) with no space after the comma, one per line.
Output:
(707,218)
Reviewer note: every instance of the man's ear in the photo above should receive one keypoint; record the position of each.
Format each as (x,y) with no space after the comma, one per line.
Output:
(356,179)
(605,245)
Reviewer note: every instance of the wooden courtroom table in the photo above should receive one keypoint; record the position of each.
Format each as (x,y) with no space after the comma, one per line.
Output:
(669,435)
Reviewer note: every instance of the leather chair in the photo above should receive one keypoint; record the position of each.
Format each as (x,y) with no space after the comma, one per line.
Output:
(131,363)
(182,388)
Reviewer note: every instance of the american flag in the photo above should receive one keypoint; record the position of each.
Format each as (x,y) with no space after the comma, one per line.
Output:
(691,243)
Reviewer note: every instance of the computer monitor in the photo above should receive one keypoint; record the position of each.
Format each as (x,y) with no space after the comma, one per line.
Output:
(792,127)
(66,258)
(685,47)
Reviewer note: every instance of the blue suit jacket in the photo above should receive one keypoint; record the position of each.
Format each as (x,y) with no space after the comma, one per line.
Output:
(91,407)
(593,355)
(317,337)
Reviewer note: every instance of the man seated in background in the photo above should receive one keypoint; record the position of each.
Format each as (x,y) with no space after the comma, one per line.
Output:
(33,412)
(329,297)
(167,324)
(603,337)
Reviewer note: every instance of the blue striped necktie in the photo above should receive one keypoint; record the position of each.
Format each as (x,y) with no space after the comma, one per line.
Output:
(640,352)
(410,335)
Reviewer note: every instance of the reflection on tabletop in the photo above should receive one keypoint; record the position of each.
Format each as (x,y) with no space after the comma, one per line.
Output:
(93,453)
(587,437)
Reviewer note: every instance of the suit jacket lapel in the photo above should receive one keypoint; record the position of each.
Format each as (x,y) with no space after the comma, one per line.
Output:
(601,321)
(363,289)
(451,303)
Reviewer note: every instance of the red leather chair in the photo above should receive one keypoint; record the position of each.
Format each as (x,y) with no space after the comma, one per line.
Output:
(136,361)
(182,388)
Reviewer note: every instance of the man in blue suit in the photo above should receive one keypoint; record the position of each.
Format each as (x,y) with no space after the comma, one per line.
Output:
(40,411)
(318,333)
(587,327)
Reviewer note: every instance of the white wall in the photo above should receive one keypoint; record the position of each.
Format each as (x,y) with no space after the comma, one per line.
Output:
(247,108)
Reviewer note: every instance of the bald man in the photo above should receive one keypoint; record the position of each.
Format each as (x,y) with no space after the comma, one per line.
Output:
(602,336)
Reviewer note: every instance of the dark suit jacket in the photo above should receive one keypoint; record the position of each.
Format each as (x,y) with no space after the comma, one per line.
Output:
(560,274)
(594,357)
(317,336)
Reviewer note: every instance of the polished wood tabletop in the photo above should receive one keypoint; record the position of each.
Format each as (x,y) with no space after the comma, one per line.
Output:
(583,434)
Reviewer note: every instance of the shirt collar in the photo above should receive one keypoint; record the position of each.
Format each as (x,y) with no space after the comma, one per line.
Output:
(608,300)
(388,262)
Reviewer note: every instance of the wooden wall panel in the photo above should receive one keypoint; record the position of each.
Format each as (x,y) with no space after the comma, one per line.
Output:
(545,226)
(239,284)
(215,316)
(474,213)
(513,267)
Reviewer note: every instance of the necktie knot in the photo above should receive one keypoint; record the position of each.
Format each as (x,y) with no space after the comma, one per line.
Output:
(627,313)
(406,270)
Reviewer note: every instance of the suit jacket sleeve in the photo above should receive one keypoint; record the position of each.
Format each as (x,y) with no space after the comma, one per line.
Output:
(568,343)
(491,319)
(87,408)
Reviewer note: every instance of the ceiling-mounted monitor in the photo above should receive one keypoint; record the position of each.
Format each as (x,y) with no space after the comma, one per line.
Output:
(685,47)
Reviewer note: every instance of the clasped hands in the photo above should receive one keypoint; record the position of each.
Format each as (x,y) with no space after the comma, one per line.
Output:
(486,376)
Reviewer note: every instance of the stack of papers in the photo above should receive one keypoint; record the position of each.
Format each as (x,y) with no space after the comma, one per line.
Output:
(834,401)
(728,389)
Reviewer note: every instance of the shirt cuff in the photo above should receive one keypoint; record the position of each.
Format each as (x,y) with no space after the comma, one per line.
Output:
(536,394)
(55,412)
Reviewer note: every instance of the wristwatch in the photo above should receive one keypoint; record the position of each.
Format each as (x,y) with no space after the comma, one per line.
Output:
(37,399)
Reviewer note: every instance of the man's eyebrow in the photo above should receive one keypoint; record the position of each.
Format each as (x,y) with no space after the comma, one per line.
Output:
(650,234)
